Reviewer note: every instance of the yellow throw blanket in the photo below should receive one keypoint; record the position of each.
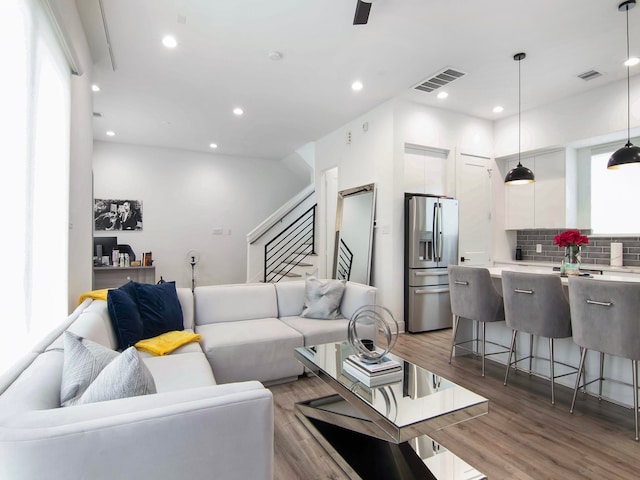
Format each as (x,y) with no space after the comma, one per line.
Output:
(95,294)
(167,342)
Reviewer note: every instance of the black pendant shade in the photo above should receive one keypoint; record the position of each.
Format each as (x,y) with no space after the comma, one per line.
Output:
(628,154)
(519,176)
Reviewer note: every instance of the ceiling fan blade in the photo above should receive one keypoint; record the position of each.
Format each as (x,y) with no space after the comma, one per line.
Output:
(362,13)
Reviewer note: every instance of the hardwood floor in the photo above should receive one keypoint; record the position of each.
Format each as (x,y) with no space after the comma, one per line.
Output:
(522,437)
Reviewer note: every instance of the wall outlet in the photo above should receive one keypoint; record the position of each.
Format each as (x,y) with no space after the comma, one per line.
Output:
(538,248)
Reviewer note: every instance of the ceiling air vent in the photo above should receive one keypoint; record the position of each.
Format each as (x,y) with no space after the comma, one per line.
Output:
(590,75)
(438,80)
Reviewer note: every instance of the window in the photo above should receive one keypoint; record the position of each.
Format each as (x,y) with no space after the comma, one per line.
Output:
(615,195)
(34,188)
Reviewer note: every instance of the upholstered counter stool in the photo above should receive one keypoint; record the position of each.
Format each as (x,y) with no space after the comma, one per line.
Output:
(536,304)
(474,297)
(606,318)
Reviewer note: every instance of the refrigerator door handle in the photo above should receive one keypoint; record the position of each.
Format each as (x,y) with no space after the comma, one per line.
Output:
(429,291)
(434,232)
(440,236)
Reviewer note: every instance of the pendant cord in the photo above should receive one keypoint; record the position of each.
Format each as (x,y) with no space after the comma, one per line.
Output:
(520,110)
(628,85)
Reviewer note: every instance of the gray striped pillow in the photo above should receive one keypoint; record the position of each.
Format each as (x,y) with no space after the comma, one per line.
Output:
(83,362)
(126,376)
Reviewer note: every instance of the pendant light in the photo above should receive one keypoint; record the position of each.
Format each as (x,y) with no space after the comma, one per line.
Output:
(629,153)
(521,174)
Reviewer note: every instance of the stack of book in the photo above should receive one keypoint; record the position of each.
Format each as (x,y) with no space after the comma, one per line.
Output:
(373,374)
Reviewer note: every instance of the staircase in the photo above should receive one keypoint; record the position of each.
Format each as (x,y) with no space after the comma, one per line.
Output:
(283,247)
(290,248)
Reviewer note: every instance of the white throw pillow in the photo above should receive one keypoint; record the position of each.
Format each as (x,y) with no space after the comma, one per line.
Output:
(322,298)
(126,376)
(83,362)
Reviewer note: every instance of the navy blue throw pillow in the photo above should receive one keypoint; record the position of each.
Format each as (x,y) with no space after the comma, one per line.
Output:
(125,316)
(159,308)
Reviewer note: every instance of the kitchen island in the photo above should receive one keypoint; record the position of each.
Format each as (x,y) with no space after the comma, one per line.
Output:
(616,369)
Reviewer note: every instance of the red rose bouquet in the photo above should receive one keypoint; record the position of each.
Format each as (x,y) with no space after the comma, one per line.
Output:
(571,238)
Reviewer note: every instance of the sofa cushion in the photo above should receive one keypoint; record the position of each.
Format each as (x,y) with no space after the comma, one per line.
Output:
(177,372)
(83,362)
(228,303)
(259,349)
(125,316)
(126,376)
(322,298)
(290,298)
(159,308)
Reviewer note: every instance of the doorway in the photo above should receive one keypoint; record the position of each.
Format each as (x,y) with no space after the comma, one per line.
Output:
(474,196)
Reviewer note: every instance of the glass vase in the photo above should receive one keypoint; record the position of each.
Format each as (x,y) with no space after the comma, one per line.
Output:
(572,259)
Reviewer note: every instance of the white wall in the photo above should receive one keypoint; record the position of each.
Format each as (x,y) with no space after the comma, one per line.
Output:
(81,145)
(377,156)
(596,116)
(186,196)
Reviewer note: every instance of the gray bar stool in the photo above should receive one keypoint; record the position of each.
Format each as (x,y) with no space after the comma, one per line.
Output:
(536,304)
(473,296)
(606,318)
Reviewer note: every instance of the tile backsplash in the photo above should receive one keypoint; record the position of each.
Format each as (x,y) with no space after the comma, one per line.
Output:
(597,252)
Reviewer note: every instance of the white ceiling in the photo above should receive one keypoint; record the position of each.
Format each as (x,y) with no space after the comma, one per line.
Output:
(183,98)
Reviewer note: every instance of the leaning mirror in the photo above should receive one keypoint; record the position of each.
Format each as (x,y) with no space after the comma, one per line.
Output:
(355,217)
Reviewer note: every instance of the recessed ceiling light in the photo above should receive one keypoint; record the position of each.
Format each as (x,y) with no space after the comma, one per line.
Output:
(498,109)
(169,41)
(357,86)
(95,88)
(632,62)
(213,145)
(110,133)
(238,111)
(442,95)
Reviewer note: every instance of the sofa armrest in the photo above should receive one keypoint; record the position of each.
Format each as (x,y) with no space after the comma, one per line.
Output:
(222,431)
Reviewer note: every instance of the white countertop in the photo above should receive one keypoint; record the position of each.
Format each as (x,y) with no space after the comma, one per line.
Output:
(593,266)
(547,268)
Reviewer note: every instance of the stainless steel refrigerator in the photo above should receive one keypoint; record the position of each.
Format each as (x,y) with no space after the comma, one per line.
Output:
(431,244)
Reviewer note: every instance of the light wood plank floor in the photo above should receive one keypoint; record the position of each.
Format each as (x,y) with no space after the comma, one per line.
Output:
(522,437)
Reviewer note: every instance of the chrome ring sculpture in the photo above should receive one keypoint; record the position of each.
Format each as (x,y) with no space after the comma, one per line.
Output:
(384,322)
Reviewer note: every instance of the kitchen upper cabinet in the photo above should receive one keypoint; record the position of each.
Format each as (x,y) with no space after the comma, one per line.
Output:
(550,202)
(425,170)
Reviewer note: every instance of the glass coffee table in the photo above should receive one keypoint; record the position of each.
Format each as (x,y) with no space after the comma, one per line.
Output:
(382,431)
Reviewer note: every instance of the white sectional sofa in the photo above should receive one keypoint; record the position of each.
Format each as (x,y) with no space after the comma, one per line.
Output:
(211,416)
(249,331)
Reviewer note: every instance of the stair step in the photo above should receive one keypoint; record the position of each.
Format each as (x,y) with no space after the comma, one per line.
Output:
(287,274)
(299,264)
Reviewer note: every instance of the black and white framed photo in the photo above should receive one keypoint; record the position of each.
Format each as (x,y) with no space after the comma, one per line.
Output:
(117,214)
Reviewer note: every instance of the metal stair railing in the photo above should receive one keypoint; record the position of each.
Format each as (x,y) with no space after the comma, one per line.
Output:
(290,247)
(344,261)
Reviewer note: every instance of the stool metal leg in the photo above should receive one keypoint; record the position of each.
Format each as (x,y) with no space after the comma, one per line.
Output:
(580,372)
(484,334)
(513,344)
(634,367)
(530,353)
(453,339)
(553,393)
(601,376)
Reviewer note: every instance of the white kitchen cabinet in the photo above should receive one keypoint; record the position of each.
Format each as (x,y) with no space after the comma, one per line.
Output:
(550,202)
